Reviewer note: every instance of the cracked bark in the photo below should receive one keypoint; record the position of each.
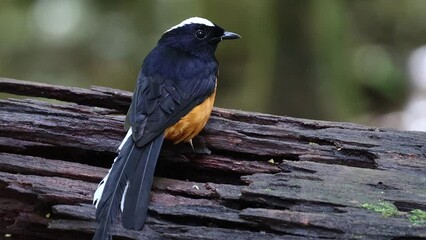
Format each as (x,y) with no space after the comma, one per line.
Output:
(268,177)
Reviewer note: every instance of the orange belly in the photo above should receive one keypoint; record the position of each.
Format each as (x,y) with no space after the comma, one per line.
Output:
(192,123)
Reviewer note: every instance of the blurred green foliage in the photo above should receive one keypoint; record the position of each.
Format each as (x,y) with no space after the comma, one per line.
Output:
(334,59)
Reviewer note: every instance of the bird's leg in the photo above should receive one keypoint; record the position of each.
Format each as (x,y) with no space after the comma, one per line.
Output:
(192,145)
(195,145)
(199,146)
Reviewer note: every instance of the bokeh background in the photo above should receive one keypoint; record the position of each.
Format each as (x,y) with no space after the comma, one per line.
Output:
(340,60)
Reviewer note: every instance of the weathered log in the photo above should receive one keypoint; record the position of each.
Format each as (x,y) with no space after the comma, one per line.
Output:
(267,177)
(96,96)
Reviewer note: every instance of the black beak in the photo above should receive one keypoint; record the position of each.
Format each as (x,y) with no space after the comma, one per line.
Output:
(229,36)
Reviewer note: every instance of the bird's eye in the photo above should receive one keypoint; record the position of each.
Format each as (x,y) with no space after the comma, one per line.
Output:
(200,34)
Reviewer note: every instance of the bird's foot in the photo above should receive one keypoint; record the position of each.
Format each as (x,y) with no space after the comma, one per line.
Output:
(198,146)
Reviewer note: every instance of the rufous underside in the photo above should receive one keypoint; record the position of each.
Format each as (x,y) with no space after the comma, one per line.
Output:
(192,123)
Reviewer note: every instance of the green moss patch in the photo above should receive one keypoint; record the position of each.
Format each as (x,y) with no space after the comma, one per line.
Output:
(387,209)
(417,217)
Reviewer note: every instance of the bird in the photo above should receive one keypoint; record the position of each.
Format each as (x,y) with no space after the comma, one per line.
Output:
(173,99)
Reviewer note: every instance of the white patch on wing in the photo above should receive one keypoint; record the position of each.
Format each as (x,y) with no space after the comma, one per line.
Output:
(98,193)
(193,20)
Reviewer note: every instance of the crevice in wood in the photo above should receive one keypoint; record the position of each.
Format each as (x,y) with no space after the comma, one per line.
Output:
(408,206)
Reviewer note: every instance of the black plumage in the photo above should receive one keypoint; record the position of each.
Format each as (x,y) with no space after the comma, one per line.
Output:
(109,204)
(176,76)
(136,204)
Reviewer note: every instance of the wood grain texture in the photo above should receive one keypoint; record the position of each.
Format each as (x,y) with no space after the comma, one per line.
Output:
(267,177)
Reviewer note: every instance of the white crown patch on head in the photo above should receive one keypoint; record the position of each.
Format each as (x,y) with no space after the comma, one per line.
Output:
(193,20)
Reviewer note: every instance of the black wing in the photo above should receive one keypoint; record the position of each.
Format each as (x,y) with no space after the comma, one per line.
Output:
(159,102)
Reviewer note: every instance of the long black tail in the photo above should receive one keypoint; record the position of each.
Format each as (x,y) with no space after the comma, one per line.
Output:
(137,195)
(133,167)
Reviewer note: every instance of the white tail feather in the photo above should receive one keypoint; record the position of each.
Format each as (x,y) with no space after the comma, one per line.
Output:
(98,193)
(123,198)
(129,133)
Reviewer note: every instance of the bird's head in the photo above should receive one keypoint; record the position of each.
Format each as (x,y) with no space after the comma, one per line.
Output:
(196,36)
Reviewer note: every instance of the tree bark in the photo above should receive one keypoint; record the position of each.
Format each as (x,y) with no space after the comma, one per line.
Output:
(267,177)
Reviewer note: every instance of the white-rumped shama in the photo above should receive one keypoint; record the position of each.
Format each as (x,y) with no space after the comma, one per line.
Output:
(173,100)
